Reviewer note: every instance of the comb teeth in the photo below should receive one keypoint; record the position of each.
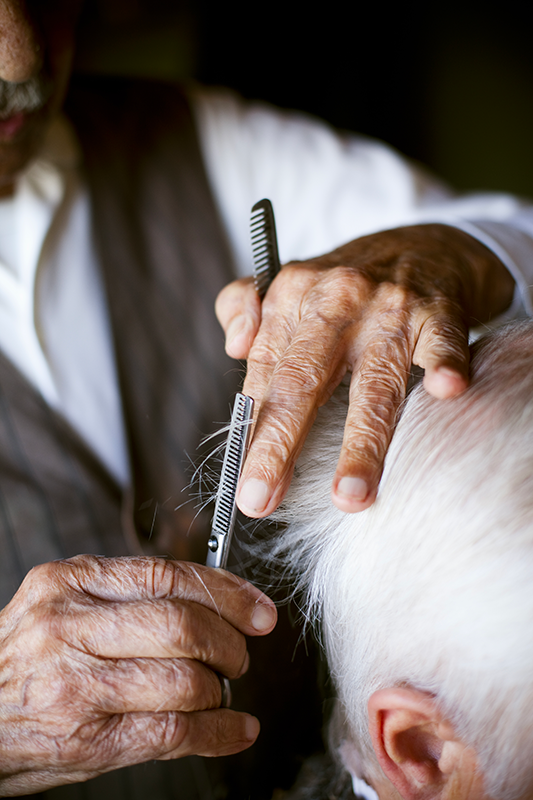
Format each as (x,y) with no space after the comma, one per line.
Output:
(264,246)
(231,468)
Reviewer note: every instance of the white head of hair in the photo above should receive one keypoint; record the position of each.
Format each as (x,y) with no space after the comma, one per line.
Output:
(432,587)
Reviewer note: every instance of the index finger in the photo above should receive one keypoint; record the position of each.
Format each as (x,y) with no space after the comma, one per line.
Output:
(142,578)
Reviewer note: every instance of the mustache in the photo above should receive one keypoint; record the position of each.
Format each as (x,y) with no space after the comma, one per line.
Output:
(24,97)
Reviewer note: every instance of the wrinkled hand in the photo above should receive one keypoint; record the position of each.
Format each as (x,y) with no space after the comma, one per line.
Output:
(110,662)
(373,307)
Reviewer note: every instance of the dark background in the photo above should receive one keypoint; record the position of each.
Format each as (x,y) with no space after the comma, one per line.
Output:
(451,86)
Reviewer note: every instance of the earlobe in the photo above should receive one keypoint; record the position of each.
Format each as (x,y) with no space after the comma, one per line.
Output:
(408,736)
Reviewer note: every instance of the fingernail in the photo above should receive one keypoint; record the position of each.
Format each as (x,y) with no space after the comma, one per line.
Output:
(254,496)
(353,488)
(251,728)
(445,382)
(452,373)
(263,617)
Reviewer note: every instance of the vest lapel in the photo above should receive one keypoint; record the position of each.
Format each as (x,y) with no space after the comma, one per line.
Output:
(165,258)
(56,499)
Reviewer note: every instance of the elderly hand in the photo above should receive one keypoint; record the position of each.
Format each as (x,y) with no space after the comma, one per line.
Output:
(111,662)
(373,307)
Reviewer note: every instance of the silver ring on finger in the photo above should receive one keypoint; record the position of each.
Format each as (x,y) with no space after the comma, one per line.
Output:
(225,691)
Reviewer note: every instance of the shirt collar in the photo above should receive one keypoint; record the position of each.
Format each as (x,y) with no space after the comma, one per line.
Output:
(351,761)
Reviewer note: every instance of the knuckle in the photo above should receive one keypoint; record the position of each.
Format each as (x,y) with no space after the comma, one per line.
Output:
(372,439)
(441,308)
(396,297)
(264,351)
(303,373)
(274,446)
(41,580)
(81,564)
(339,296)
(41,626)
(444,329)
(102,743)
(297,378)
(84,560)
(374,422)
(384,371)
(189,577)
(391,317)
(442,337)
(238,654)
(42,659)
(184,627)
(296,275)
(305,287)
(344,278)
(161,578)
(210,645)
(380,397)
(373,415)
(170,731)
(197,687)
(126,739)
(185,683)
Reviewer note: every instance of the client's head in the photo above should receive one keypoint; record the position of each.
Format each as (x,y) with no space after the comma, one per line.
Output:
(425,600)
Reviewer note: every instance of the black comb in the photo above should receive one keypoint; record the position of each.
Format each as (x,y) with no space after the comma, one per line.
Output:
(264,246)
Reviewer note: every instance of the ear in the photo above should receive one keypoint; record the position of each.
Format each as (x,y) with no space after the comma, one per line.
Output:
(416,748)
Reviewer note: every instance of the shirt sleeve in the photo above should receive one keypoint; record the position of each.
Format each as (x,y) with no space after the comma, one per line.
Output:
(329,187)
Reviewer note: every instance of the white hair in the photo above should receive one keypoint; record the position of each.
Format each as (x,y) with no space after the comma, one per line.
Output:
(433,585)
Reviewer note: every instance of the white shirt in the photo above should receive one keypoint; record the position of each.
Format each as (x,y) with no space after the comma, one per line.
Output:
(54,324)
(326,189)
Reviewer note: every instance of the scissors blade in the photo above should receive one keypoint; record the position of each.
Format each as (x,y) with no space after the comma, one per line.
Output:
(225,512)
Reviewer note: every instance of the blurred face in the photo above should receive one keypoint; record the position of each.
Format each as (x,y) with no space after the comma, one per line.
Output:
(36,48)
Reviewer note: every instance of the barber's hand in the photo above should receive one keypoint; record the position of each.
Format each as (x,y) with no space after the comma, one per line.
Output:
(111,662)
(373,307)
